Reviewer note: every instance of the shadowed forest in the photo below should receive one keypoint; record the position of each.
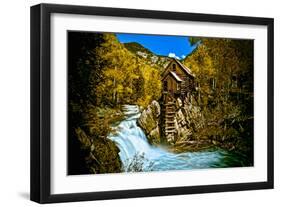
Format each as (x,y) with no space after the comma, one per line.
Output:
(116,106)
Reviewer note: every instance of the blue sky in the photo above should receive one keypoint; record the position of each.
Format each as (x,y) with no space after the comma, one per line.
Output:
(173,46)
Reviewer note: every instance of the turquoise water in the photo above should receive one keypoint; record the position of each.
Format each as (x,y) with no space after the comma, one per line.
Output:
(131,141)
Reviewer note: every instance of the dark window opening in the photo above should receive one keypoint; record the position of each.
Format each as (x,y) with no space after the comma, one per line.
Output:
(174,66)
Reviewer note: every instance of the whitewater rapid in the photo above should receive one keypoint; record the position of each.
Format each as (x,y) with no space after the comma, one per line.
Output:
(132,141)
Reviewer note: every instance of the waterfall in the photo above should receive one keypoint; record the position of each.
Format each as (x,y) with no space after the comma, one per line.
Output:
(132,141)
(130,138)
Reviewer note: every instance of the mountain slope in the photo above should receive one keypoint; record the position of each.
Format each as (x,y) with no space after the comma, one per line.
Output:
(150,58)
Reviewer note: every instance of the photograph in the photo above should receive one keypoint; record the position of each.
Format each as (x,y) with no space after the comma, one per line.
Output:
(148,102)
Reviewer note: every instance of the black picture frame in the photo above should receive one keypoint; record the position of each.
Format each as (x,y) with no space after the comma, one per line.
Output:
(41,95)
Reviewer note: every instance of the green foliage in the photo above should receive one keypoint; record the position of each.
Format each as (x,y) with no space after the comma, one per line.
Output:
(218,64)
(146,56)
(83,68)
(98,121)
(135,47)
(224,76)
(152,85)
(125,77)
(201,64)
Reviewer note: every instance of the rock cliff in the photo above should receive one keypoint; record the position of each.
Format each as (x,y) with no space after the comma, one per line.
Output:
(186,113)
(186,119)
(149,121)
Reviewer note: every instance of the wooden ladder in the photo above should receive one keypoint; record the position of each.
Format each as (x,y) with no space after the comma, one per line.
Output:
(169,123)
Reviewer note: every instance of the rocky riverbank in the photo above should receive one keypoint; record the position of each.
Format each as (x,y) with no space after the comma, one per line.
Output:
(91,151)
(102,153)
(196,132)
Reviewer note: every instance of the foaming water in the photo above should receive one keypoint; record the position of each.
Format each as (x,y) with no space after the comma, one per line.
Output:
(131,141)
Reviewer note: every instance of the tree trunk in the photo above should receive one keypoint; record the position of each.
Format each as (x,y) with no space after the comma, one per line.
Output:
(114,89)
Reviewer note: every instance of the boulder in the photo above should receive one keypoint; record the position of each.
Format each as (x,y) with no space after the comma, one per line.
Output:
(154,136)
(149,122)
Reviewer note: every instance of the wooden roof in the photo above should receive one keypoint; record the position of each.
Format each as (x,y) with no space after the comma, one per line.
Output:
(185,69)
(182,66)
(174,75)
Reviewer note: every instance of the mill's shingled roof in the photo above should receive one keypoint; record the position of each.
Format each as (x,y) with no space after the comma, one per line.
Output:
(176,76)
(186,69)
(182,66)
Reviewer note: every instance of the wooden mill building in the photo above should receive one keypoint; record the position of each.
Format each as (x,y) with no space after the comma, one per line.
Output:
(178,82)
(177,79)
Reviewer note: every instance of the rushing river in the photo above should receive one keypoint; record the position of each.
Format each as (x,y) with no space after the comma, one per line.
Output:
(132,141)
